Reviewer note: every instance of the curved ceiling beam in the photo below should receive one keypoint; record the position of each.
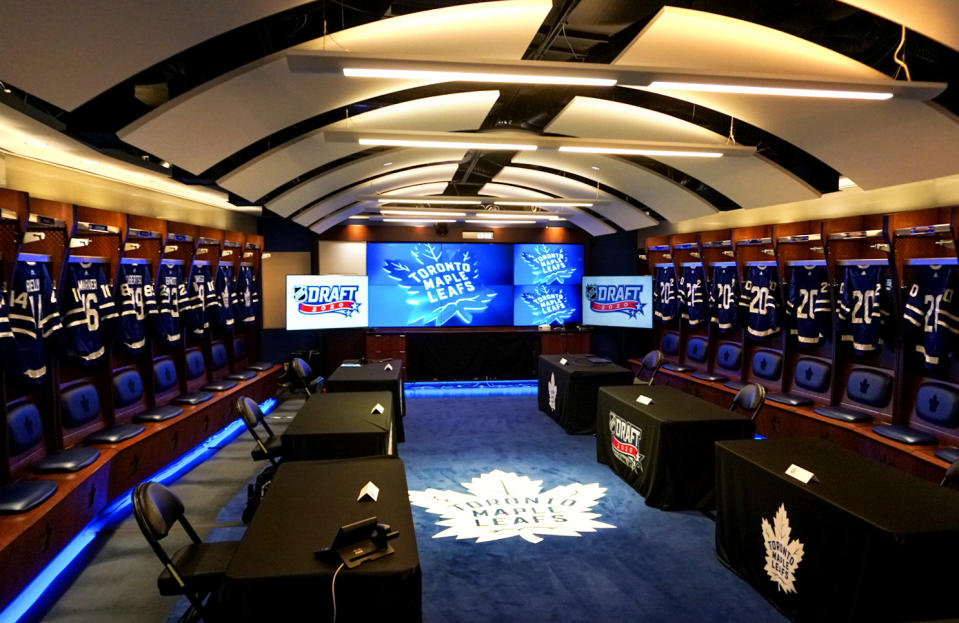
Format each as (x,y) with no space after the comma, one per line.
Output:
(751,181)
(870,142)
(261,98)
(936,19)
(340,215)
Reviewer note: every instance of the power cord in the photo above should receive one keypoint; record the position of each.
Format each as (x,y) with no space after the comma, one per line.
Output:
(333,588)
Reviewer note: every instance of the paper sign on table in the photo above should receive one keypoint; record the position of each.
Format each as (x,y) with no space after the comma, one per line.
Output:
(563,361)
(800,474)
(369,492)
(377,409)
(644,400)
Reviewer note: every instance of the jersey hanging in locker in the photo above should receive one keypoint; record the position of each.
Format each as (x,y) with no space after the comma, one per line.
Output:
(760,301)
(33,318)
(137,301)
(862,307)
(88,304)
(247,296)
(724,298)
(171,301)
(223,314)
(202,300)
(692,295)
(809,304)
(931,309)
(6,335)
(665,300)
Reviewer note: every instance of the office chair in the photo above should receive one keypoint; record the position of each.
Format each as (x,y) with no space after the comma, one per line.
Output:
(652,360)
(269,449)
(194,570)
(303,374)
(951,480)
(750,399)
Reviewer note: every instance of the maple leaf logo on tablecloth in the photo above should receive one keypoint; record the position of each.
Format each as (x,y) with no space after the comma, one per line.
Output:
(549,265)
(551,391)
(440,283)
(549,304)
(782,554)
(501,505)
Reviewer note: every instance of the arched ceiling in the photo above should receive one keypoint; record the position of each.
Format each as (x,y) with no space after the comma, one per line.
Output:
(212,93)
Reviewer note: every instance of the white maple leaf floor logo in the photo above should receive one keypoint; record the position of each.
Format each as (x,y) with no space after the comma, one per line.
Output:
(782,554)
(501,505)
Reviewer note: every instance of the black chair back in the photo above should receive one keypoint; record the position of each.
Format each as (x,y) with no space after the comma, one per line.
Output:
(651,361)
(253,416)
(750,399)
(951,481)
(303,373)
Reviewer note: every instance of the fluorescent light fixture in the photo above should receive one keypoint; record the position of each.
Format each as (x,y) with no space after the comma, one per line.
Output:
(497,223)
(35,143)
(542,204)
(623,151)
(420,213)
(520,215)
(365,216)
(845,183)
(473,76)
(430,200)
(393,142)
(744,89)
(418,221)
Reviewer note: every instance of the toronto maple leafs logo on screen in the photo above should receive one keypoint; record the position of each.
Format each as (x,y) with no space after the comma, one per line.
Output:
(441,283)
(783,554)
(549,265)
(550,305)
(622,299)
(314,300)
(501,505)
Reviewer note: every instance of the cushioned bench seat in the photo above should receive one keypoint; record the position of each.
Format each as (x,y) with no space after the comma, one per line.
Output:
(192,398)
(67,461)
(219,386)
(677,367)
(792,400)
(949,455)
(19,497)
(843,414)
(159,414)
(115,434)
(904,434)
(705,376)
(734,385)
(260,366)
(241,376)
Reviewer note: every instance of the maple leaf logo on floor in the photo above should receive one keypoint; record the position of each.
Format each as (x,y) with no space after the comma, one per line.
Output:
(501,505)
(782,554)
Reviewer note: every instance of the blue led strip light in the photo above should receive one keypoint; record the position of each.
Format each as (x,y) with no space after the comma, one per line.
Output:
(114,512)
(460,389)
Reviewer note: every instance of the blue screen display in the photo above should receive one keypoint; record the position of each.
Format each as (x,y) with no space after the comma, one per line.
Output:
(546,304)
(534,264)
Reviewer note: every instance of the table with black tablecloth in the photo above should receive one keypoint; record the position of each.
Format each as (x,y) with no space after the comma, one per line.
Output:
(567,392)
(664,449)
(386,375)
(274,575)
(877,543)
(341,425)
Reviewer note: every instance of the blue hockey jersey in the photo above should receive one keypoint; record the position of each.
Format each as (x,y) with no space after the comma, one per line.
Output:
(248,297)
(33,318)
(665,299)
(932,313)
(760,301)
(862,307)
(809,304)
(202,298)
(692,295)
(223,314)
(137,301)
(6,334)
(171,300)
(88,304)
(724,298)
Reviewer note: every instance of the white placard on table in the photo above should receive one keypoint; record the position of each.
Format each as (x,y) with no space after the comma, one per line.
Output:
(563,361)
(800,474)
(369,491)
(644,399)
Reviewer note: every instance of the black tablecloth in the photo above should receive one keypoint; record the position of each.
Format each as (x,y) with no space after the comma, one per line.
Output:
(274,575)
(340,425)
(567,393)
(371,377)
(878,544)
(664,450)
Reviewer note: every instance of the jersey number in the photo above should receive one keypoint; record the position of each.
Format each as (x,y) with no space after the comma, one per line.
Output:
(864,302)
(760,299)
(806,304)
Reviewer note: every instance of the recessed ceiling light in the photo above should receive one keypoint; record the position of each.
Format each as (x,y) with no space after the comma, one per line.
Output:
(595,168)
(165,164)
(386,164)
(34,143)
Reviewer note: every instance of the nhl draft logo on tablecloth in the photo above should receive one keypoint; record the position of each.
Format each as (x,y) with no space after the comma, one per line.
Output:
(501,505)
(782,554)
(624,437)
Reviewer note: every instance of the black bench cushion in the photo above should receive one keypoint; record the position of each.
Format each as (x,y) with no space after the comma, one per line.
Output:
(195,366)
(949,455)
(159,414)
(66,461)
(24,428)
(696,349)
(793,400)
(127,388)
(869,388)
(767,364)
(239,347)
(843,414)
(812,375)
(193,398)
(164,374)
(736,385)
(670,343)
(242,376)
(260,366)
(19,497)
(220,386)
(80,405)
(705,376)
(938,404)
(729,356)
(677,367)
(218,358)
(904,434)
(115,434)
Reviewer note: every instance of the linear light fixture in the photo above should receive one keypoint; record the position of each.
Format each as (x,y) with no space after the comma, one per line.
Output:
(745,89)
(559,202)
(496,223)
(418,221)
(471,76)
(428,200)
(624,151)
(420,213)
(539,216)
(539,203)
(452,144)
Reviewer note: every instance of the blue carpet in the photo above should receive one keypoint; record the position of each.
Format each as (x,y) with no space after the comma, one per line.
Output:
(654,566)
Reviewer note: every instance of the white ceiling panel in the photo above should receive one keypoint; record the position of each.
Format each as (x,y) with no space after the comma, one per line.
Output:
(214,121)
(936,19)
(349,174)
(750,181)
(874,143)
(79,49)
(457,111)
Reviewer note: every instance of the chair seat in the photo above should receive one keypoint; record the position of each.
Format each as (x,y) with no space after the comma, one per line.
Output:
(677,367)
(66,461)
(219,386)
(949,455)
(201,565)
(843,414)
(792,400)
(116,434)
(19,497)
(904,434)
(242,376)
(736,385)
(274,445)
(159,414)
(713,378)
(193,398)
(260,366)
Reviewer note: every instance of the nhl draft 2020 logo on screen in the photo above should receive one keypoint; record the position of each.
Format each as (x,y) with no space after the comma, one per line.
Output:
(327,299)
(622,299)
(624,437)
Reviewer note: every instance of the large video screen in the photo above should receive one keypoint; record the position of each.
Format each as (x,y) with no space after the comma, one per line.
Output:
(546,304)
(618,301)
(535,264)
(326,302)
